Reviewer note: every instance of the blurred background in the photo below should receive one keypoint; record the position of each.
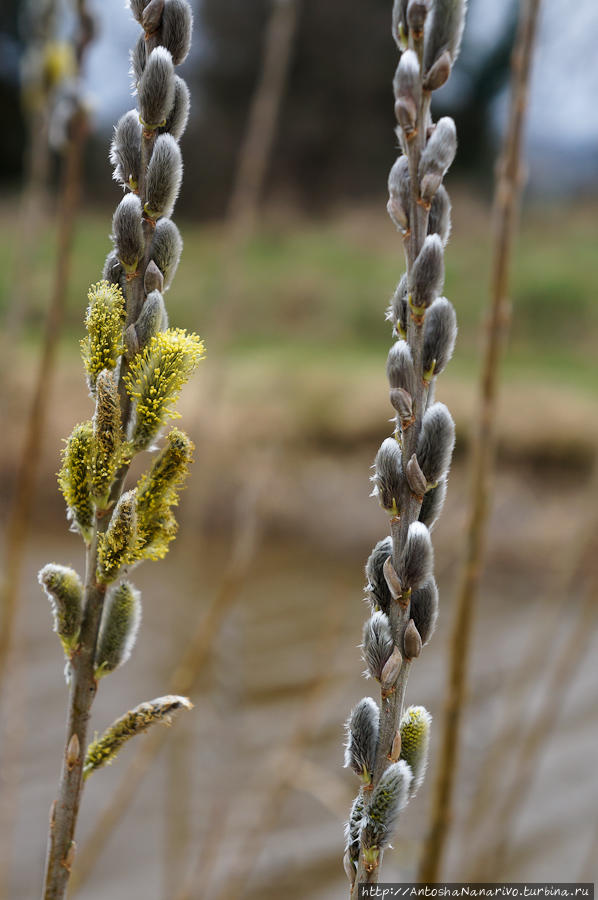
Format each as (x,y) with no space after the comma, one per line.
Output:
(288,265)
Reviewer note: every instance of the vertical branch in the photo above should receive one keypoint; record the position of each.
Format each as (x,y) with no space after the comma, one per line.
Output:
(411,467)
(506,204)
(263,114)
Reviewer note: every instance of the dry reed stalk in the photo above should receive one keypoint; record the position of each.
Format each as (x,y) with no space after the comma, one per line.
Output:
(506,203)
(533,661)
(275,777)
(567,661)
(258,140)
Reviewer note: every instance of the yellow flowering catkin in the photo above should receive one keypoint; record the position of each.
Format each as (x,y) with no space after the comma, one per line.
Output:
(104,322)
(104,749)
(155,378)
(73,478)
(116,548)
(157,492)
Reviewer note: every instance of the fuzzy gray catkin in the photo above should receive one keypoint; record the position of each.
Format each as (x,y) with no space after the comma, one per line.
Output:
(164,176)
(166,249)
(377,644)
(411,467)
(125,150)
(127,232)
(155,88)
(362,738)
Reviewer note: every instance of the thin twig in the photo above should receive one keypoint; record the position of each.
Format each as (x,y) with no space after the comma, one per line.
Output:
(506,204)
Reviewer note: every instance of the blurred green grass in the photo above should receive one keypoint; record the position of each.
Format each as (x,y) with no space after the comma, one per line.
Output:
(298,290)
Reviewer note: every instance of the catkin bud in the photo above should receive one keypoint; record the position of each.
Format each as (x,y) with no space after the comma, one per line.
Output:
(73,479)
(418,557)
(415,477)
(424,609)
(399,367)
(439,73)
(407,88)
(127,232)
(362,739)
(415,741)
(392,579)
(152,16)
(399,190)
(125,150)
(445,31)
(388,475)
(439,218)
(118,632)
(438,155)
(164,176)
(106,438)
(417,10)
(73,751)
(412,642)
(177,27)
(376,584)
(432,504)
(388,799)
(178,116)
(153,280)
(391,669)
(116,547)
(150,318)
(65,592)
(397,311)
(155,88)
(427,274)
(436,442)
(377,643)
(167,246)
(403,403)
(137,7)
(440,334)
